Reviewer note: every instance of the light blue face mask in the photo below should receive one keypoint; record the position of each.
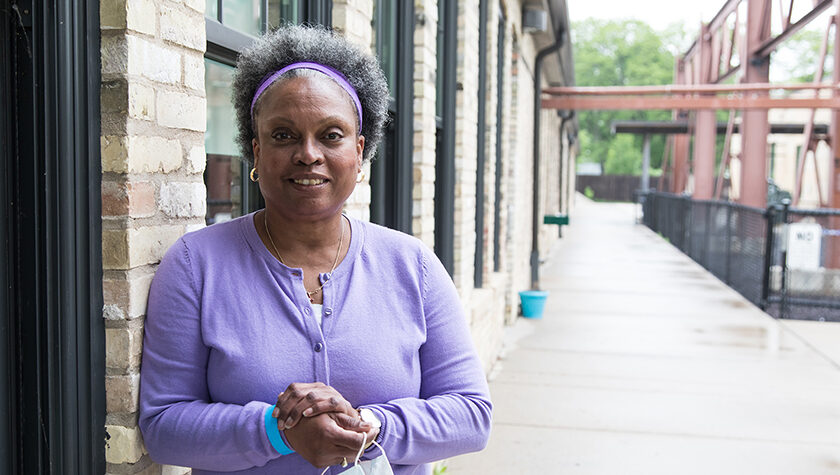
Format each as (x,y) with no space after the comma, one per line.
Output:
(378,466)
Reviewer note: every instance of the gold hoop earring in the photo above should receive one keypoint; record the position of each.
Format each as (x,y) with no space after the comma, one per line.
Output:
(361,177)
(254,177)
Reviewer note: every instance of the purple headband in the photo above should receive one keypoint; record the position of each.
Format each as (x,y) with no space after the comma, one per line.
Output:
(332,73)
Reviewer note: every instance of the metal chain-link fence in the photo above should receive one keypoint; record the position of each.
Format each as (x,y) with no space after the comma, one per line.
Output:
(785,260)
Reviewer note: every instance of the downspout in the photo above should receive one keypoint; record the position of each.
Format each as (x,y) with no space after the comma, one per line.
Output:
(565,116)
(535,214)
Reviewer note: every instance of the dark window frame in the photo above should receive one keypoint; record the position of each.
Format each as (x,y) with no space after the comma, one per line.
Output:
(52,347)
(392,172)
(481,157)
(500,94)
(445,140)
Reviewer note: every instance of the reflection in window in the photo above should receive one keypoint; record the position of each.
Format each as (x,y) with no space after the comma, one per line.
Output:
(223,174)
(386,43)
(211,10)
(283,11)
(252,16)
(245,16)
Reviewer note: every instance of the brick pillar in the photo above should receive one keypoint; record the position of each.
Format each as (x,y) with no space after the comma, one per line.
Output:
(352,19)
(515,115)
(490,135)
(153,121)
(466,129)
(425,73)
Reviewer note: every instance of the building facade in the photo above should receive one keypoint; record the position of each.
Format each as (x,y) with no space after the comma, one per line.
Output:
(144,153)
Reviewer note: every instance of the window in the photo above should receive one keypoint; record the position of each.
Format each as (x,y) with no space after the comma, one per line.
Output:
(391,171)
(231,26)
(224,172)
(445,133)
(246,16)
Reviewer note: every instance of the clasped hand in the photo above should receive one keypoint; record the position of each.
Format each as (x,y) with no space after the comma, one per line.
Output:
(320,424)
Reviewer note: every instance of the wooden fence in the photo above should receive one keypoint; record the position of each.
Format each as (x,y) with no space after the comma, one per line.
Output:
(615,187)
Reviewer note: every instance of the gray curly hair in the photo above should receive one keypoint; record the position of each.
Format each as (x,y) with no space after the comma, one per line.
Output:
(295,43)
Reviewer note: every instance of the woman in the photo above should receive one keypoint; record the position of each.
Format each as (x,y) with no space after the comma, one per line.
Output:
(357,327)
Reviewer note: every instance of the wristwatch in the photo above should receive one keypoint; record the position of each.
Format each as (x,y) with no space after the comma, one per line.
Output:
(368,416)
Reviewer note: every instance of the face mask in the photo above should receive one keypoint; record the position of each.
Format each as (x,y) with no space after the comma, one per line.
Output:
(377,466)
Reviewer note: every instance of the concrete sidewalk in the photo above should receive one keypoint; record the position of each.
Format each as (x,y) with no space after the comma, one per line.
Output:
(646,364)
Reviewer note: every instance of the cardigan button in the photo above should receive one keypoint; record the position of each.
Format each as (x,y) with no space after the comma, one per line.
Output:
(318,347)
(327,311)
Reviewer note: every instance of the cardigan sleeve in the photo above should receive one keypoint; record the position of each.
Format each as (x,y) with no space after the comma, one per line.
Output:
(180,425)
(453,413)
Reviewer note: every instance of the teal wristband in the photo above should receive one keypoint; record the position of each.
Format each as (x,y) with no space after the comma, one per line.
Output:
(273,433)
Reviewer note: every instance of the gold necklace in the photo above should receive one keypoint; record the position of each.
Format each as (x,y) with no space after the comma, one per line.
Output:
(309,293)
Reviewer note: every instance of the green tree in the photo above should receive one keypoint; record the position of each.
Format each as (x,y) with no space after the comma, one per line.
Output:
(797,59)
(621,53)
(623,157)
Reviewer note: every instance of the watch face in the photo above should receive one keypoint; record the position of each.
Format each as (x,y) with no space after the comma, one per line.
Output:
(368,416)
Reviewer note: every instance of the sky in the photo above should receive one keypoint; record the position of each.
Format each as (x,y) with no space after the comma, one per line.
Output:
(656,13)
(659,14)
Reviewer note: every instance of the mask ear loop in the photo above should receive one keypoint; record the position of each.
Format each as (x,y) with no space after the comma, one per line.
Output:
(362,448)
(381,450)
(359,453)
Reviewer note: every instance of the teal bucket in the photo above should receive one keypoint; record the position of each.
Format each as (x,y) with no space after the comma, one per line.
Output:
(533,303)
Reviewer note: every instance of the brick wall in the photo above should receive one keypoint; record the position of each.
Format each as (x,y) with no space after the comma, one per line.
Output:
(153,121)
(425,74)
(509,143)
(519,176)
(352,18)
(466,129)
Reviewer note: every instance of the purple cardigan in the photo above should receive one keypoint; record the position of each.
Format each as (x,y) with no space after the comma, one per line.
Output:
(228,327)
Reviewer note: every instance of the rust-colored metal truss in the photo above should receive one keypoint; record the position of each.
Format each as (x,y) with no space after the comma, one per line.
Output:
(696,102)
(737,42)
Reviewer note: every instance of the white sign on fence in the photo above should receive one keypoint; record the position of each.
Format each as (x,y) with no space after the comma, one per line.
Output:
(804,242)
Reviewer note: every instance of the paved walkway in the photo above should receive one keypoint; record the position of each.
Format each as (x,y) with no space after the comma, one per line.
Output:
(646,364)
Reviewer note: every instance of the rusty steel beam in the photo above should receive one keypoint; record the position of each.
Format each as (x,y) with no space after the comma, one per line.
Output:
(724,12)
(681,169)
(834,166)
(770,45)
(677,127)
(692,50)
(833,247)
(754,121)
(730,47)
(787,19)
(714,25)
(688,103)
(704,124)
(704,154)
(725,154)
(682,89)
(809,130)
(729,73)
(666,152)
